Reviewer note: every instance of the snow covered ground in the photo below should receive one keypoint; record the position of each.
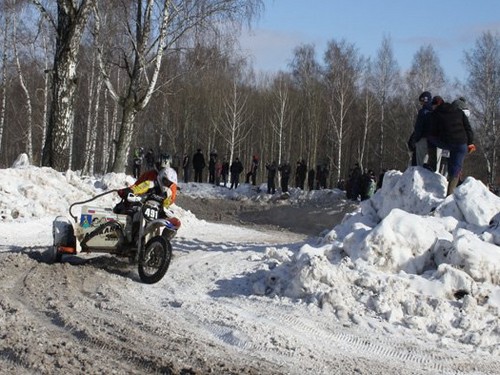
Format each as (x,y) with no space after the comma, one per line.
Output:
(407,284)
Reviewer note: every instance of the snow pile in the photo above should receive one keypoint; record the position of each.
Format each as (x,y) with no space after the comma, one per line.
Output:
(407,256)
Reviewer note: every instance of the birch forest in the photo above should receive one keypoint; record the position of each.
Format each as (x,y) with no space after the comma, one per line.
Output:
(85,82)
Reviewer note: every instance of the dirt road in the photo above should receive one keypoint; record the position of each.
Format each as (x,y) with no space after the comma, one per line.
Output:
(77,316)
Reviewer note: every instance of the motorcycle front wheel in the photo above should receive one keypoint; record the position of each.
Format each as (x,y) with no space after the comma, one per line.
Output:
(154,260)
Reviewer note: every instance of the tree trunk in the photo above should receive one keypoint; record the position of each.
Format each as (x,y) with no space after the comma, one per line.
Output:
(70,26)
(3,83)
(125,139)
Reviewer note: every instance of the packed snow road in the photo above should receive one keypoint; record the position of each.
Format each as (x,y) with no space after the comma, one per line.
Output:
(91,315)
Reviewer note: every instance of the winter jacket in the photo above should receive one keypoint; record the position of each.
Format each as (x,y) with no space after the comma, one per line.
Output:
(236,167)
(422,123)
(198,161)
(450,125)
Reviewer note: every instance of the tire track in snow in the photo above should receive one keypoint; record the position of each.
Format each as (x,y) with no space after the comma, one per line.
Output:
(408,354)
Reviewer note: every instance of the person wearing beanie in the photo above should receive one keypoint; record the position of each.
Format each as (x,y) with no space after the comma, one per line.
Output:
(451,130)
(461,103)
(418,140)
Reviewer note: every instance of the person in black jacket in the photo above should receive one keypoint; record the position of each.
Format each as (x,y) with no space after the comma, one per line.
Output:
(236,169)
(450,130)
(252,173)
(300,174)
(421,130)
(198,165)
(285,170)
(271,175)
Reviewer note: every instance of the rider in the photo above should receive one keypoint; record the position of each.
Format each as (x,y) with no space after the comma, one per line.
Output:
(161,182)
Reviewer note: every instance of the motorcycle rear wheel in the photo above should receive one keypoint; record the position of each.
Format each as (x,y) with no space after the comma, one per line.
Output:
(154,260)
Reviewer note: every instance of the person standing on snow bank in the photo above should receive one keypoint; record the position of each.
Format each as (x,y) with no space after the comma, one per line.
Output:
(418,139)
(451,130)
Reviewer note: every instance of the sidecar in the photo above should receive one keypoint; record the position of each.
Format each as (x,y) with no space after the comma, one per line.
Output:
(98,230)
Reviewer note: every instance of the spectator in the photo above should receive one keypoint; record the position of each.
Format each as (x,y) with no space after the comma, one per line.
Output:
(198,165)
(235,169)
(253,170)
(271,175)
(300,174)
(353,183)
(367,185)
(321,176)
(451,130)
(421,129)
(211,167)
(137,162)
(150,159)
(285,170)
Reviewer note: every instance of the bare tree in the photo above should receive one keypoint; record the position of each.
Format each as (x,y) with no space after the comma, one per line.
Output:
(386,77)
(234,127)
(368,110)
(281,118)
(483,63)
(95,86)
(22,81)
(72,16)
(306,75)
(426,73)
(156,27)
(342,71)
(3,82)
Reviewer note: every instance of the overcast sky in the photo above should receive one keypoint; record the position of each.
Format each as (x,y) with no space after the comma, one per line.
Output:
(449,26)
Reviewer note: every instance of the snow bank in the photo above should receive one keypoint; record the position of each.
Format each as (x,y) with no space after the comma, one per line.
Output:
(408,256)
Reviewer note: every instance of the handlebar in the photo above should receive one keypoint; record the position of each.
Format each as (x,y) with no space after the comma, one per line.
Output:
(88,200)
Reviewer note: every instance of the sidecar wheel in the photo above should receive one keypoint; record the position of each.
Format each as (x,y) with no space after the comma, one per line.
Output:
(55,256)
(154,260)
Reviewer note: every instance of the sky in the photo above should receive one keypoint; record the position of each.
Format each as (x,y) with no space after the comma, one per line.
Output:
(411,278)
(451,27)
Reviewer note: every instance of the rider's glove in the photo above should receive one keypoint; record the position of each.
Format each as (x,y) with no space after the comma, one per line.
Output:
(123,193)
(471,148)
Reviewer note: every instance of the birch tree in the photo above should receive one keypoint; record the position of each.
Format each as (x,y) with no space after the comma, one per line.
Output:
(483,63)
(368,110)
(28,136)
(156,27)
(386,76)
(72,17)
(3,81)
(280,121)
(343,68)
(95,86)
(306,75)
(234,125)
(426,73)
